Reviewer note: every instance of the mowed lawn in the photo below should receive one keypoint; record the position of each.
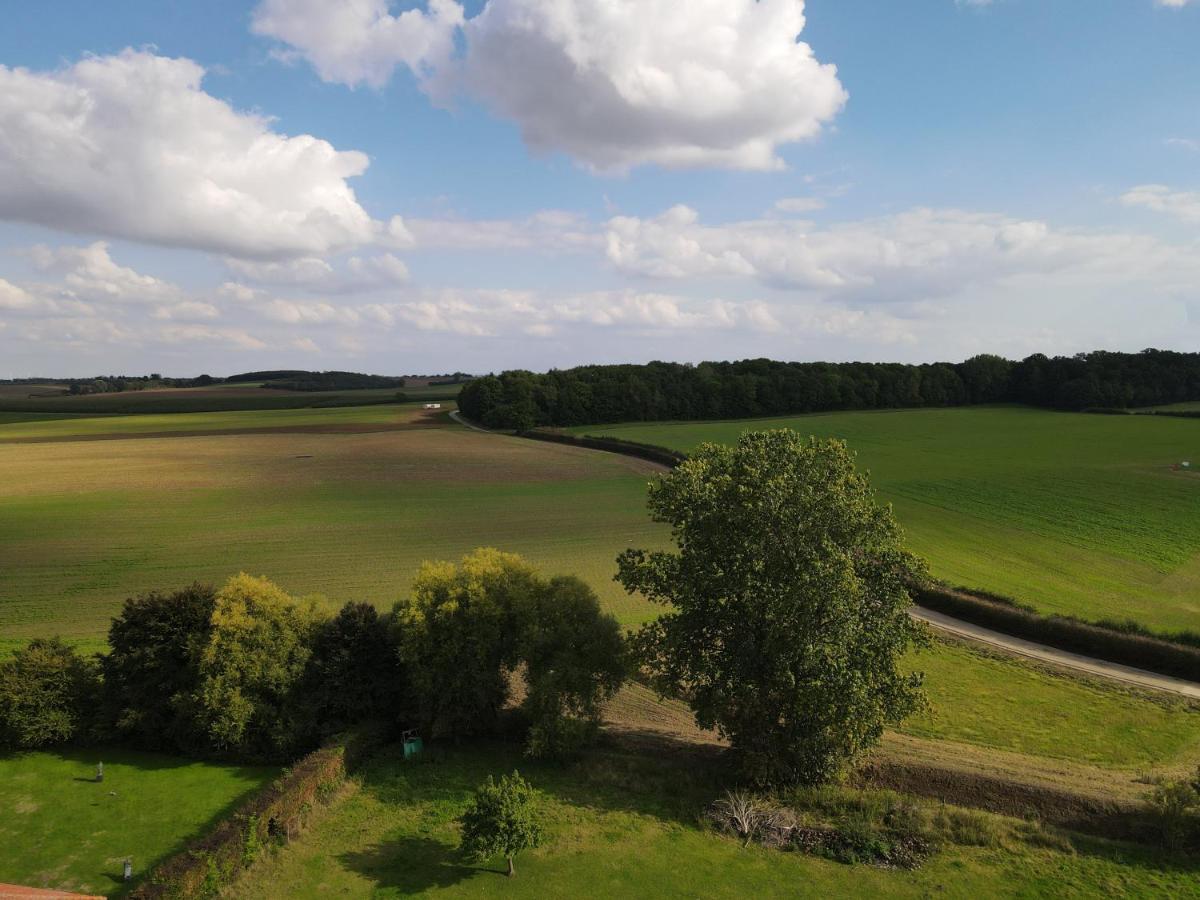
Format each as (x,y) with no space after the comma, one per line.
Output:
(622,826)
(1076,514)
(60,829)
(86,523)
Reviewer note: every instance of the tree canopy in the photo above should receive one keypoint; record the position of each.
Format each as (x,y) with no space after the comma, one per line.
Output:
(787,607)
(502,820)
(657,391)
(47,695)
(257,650)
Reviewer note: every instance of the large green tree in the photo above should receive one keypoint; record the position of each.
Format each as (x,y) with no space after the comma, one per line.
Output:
(787,603)
(460,638)
(574,661)
(151,670)
(256,653)
(467,630)
(353,674)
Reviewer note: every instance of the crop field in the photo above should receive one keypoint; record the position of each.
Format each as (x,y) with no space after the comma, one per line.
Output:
(622,826)
(317,505)
(1075,514)
(21,398)
(60,829)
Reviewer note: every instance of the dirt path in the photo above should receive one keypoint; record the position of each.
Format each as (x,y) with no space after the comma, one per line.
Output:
(458,417)
(1020,647)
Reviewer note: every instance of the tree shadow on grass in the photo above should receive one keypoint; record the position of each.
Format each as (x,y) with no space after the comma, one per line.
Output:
(411,865)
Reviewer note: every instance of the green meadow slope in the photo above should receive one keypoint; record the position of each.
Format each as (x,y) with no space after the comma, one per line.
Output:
(1075,514)
(621,826)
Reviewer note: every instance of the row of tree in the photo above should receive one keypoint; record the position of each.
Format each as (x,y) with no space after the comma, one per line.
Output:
(247,671)
(586,395)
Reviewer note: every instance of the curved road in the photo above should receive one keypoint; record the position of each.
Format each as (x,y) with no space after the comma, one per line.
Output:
(1020,647)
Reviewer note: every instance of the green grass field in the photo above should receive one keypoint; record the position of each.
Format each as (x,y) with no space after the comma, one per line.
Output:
(61,830)
(622,826)
(1075,514)
(85,523)
(1003,703)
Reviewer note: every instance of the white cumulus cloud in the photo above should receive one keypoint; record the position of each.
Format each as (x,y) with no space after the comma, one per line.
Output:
(1183,205)
(707,83)
(907,257)
(131,146)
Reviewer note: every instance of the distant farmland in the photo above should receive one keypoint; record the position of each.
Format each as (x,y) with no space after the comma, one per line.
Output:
(1077,514)
(24,398)
(87,520)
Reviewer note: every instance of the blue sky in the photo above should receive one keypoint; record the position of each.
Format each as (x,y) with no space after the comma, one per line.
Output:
(410,188)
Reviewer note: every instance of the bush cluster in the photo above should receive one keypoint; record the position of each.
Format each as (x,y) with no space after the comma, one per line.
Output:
(248,672)
(868,827)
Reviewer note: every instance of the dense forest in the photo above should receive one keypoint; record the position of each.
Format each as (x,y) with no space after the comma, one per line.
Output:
(761,387)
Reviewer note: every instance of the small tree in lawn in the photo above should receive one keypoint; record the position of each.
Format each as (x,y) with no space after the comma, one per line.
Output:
(502,820)
(787,603)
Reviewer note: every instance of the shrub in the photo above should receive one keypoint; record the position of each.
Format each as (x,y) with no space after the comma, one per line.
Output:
(47,694)
(1176,808)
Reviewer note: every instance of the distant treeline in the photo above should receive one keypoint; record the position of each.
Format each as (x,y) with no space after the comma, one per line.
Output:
(522,400)
(335,381)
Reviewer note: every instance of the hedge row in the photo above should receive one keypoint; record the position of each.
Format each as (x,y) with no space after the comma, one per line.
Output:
(279,810)
(1107,643)
(651,452)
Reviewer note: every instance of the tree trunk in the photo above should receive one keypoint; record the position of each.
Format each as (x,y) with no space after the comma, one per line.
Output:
(511,871)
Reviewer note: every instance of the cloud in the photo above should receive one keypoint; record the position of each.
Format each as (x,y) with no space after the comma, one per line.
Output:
(357,41)
(549,230)
(355,275)
(1184,205)
(130,146)
(908,257)
(1184,143)
(1173,4)
(187,311)
(799,204)
(14,298)
(90,274)
(707,83)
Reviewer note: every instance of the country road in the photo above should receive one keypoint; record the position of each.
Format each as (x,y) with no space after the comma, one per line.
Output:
(1019,646)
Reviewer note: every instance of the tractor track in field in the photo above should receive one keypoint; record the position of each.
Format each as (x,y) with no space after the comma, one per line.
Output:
(1016,646)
